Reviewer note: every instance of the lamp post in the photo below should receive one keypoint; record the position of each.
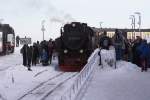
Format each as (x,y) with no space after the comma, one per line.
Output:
(100,31)
(139,22)
(43,28)
(133,25)
(100,26)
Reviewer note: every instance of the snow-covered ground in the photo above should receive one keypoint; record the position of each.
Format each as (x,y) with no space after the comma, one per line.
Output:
(127,82)
(9,60)
(17,83)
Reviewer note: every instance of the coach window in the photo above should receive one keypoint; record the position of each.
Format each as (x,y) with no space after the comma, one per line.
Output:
(10,38)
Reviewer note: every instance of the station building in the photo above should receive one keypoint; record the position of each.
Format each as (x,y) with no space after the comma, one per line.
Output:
(128,33)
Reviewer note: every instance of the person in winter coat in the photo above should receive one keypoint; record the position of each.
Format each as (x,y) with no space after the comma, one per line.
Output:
(17,41)
(105,41)
(148,56)
(135,52)
(44,57)
(54,50)
(24,54)
(35,54)
(39,50)
(143,50)
(29,56)
(50,50)
(119,44)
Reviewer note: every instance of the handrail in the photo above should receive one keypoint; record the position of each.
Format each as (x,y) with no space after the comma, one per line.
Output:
(82,78)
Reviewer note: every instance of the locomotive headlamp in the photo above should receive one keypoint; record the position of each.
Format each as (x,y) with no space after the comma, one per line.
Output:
(65,51)
(73,25)
(81,51)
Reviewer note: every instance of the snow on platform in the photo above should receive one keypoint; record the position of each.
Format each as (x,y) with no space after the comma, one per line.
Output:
(127,82)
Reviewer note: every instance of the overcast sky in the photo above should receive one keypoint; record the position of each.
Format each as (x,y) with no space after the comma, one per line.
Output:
(25,16)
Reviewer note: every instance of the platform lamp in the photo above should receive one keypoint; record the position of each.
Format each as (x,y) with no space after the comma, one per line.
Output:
(100,26)
(133,25)
(43,28)
(139,22)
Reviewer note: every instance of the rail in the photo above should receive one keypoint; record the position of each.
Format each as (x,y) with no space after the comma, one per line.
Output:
(82,79)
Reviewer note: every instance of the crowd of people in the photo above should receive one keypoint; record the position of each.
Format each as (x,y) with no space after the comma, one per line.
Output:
(137,51)
(40,52)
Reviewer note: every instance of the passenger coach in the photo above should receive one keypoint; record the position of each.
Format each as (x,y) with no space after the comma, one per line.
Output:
(7,39)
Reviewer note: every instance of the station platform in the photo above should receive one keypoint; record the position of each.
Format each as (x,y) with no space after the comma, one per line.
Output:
(126,82)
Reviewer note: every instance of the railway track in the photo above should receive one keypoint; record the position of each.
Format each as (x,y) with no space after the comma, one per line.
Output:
(8,61)
(47,87)
(4,69)
(8,66)
(48,93)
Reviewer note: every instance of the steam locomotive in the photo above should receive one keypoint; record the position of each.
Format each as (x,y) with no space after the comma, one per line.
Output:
(7,39)
(74,46)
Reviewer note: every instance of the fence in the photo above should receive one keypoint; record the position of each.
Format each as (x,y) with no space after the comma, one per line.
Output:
(82,78)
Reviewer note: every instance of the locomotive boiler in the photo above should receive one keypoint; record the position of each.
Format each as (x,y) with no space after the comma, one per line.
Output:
(7,39)
(74,46)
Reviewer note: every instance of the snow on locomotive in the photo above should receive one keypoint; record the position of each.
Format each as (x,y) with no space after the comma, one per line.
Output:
(7,39)
(74,46)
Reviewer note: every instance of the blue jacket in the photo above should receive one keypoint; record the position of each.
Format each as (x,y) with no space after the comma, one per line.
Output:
(148,55)
(144,50)
(44,56)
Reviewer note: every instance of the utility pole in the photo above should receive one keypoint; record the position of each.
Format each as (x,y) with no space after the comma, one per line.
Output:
(43,28)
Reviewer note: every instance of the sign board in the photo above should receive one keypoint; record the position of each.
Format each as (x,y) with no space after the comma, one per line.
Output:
(25,40)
